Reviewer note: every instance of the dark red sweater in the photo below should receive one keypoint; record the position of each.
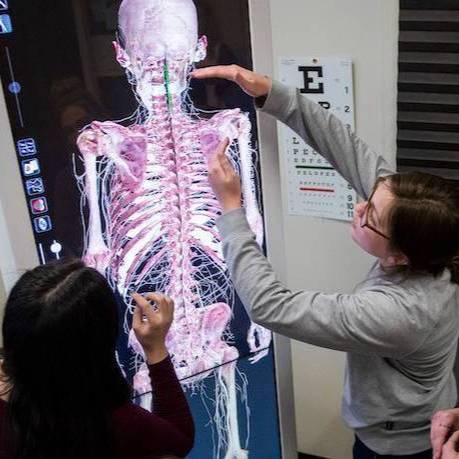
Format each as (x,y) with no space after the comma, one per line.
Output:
(139,434)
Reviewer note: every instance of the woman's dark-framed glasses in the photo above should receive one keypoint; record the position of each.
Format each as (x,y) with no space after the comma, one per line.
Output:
(364,220)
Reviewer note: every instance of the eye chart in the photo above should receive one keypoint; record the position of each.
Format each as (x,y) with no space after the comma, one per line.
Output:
(314,187)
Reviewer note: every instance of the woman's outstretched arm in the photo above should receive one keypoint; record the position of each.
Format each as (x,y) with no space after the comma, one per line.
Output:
(319,128)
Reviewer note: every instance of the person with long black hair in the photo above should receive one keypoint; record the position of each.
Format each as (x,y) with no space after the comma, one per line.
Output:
(64,394)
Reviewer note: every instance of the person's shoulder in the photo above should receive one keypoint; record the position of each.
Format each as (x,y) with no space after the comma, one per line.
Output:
(432,292)
(130,414)
(399,292)
(398,283)
(132,428)
(424,299)
(131,422)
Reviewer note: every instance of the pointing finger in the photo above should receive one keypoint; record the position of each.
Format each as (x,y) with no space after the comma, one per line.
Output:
(222,147)
(214,165)
(226,165)
(143,305)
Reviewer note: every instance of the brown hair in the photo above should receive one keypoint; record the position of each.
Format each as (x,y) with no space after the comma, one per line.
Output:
(424,221)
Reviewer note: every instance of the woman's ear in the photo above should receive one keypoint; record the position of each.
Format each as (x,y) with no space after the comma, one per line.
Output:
(398,259)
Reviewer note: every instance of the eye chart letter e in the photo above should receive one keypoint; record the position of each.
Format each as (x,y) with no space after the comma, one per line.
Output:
(311,83)
(314,188)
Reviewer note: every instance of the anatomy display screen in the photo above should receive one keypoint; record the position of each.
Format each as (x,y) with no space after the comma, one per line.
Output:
(112,138)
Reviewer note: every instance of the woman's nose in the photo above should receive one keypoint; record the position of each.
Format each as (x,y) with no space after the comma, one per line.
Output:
(360,207)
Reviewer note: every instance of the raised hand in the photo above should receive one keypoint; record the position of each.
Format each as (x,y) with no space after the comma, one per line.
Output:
(252,83)
(224,180)
(151,323)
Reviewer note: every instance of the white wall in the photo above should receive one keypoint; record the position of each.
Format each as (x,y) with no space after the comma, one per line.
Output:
(320,253)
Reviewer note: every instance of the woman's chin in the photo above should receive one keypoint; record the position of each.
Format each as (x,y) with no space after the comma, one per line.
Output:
(359,242)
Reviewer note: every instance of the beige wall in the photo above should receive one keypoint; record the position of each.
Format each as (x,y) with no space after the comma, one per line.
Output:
(320,254)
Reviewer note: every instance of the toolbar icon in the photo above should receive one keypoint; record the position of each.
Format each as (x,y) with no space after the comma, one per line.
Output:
(14,87)
(38,205)
(35,186)
(27,147)
(30,167)
(3,5)
(56,248)
(42,224)
(5,24)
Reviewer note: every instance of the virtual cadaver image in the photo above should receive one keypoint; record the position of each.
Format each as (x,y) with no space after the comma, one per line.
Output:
(151,211)
(124,135)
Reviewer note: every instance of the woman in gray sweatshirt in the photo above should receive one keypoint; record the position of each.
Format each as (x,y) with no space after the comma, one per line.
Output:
(400,325)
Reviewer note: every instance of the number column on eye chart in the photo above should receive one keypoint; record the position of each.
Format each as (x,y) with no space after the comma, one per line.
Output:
(314,187)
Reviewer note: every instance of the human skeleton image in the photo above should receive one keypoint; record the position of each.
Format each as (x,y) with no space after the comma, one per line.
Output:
(150,213)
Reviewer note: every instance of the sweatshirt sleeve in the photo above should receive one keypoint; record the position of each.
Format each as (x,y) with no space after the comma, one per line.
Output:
(167,430)
(377,321)
(329,136)
(169,402)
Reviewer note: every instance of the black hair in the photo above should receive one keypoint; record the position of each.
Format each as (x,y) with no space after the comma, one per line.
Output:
(60,331)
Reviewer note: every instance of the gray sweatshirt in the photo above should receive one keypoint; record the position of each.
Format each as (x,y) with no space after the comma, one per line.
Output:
(399,331)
